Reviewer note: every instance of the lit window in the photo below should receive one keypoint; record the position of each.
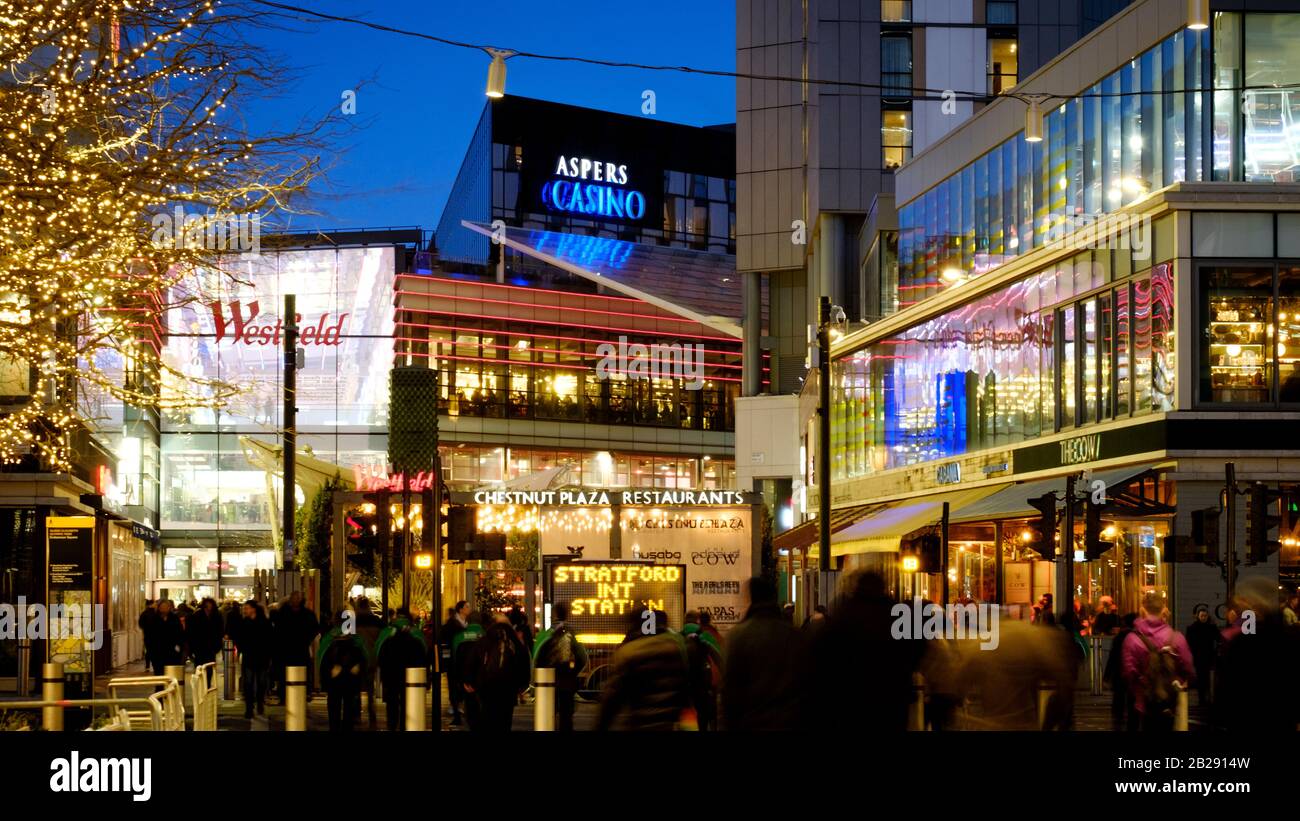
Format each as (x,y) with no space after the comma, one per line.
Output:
(895,137)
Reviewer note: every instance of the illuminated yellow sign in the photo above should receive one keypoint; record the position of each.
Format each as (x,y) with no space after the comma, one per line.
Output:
(423,561)
(603,596)
(910,564)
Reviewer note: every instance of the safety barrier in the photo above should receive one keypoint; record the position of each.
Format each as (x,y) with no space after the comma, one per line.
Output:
(203,697)
(169,699)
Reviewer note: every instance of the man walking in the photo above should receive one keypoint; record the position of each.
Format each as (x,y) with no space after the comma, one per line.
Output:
(560,649)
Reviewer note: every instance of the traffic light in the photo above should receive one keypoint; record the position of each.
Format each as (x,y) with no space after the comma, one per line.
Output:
(930,550)
(1259,521)
(428,521)
(365,528)
(1043,531)
(460,532)
(1205,534)
(1093,546)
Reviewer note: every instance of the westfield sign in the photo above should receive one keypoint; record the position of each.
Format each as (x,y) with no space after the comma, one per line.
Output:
(241,328)
(371,478)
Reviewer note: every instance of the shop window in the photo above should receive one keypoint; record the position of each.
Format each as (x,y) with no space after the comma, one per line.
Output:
(1067,388)
(1002,64)
(1000,13)
(895,11)
(896,65)
(895,138)
(1237,315)
(1271,115)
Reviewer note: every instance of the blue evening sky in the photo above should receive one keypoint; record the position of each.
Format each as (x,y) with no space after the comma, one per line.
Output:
(420,100)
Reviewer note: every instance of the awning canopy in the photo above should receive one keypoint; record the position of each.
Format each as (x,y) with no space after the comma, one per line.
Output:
(881,531)
(809,533)
(1013,502)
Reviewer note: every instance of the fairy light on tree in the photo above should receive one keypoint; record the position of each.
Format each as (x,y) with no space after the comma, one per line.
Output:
(111,114)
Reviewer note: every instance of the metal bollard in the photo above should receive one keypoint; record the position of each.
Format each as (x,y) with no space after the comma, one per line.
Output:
(52,690)
(544,702)
(295,698)
(227,675)
(1180,711)
(916,709)
(24,677)
(1045,691)
(417,679)
(1095,668)
(176,671)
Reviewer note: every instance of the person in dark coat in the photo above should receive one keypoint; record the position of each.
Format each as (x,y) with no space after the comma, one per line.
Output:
(457,621)
(1123,715)
(296,627)
(344,673)
(1203,638)
(147,616)
(255,639)
(400,650)
(762,682)
(1258,670)
(205,629)
(861,681)
(164,636)
(498,672)
(649,684)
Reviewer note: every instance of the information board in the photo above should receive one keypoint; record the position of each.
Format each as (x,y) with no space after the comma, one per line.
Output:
(605,597)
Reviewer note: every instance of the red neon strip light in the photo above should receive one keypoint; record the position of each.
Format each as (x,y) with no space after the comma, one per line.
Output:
(541,336)
(557,322)
(462,282)
(539,364)
(441,342)
(550,307)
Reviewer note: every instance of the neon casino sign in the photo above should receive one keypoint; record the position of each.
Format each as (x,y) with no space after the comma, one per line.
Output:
(592,188)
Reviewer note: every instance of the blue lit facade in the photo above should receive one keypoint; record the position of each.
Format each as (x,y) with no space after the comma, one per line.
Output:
(1122,296)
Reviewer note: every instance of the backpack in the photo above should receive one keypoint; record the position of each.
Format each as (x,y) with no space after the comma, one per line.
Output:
(1161,694)
(499,662)
(559,651)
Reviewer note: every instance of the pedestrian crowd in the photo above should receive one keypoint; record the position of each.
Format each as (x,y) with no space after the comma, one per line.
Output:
(844,668)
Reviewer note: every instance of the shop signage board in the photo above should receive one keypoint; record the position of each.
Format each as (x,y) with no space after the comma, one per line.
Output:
(1017,579)
(1091,446)
(604,498)
(714,544)
(70,577)
(605,597)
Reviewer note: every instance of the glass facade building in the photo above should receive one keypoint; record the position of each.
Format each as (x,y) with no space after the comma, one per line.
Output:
(1086,341)
(218,505)
(1174,113)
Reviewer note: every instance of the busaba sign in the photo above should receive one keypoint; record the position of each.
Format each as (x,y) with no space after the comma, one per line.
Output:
(244,327)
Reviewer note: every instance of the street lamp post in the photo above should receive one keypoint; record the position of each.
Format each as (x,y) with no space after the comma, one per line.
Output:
(828,315)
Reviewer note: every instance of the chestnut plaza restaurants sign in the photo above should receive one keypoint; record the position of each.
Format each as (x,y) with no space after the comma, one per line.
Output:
(603,498)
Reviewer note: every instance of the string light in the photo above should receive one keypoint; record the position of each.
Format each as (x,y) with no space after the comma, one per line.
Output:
(98,137)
